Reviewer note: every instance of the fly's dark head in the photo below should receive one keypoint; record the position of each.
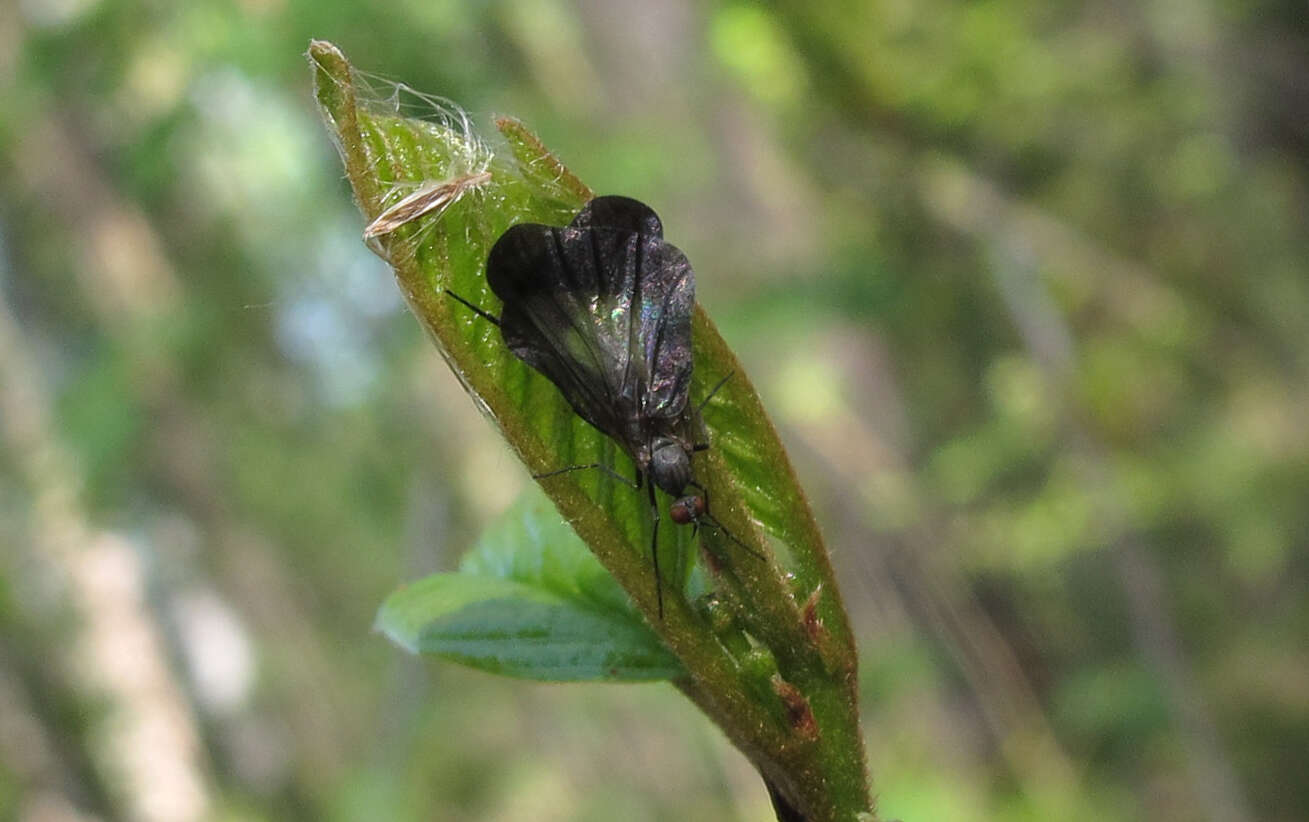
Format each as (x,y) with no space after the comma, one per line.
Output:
(687,510)
(670,466)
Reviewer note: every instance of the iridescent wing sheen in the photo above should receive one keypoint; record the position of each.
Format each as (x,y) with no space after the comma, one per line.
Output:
(666,296)
(602,308)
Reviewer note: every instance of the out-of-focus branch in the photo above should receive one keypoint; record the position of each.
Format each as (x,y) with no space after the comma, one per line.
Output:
(130,284)
(1014,235)
(912,578)
(144,744)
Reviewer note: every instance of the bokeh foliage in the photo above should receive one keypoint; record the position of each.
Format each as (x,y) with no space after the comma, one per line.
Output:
(1023,284)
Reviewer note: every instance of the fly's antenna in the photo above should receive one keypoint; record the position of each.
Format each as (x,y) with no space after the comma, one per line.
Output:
(484,315)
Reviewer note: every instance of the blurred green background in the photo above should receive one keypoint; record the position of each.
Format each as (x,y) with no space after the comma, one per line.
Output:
(1023,283)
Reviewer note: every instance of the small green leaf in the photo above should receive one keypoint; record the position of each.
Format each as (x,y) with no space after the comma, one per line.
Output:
(505,627)
(533,545)
(529,601)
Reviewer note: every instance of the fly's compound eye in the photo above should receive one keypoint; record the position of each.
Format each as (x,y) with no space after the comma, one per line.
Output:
(687,510)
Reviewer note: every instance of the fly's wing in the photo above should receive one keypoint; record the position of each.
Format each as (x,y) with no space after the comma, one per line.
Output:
(567,312)
(663,300)
(623,213)
(602,311)
(666,296)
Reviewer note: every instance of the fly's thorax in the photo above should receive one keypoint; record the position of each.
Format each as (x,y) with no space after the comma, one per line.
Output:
(670,465)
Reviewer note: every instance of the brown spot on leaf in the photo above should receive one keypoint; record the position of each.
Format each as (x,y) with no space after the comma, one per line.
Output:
(813,624)
(798,713)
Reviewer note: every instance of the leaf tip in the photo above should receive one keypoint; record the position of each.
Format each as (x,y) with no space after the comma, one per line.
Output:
(324,54)
(386,625)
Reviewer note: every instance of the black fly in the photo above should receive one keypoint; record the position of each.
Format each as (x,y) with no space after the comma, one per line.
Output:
(602,307)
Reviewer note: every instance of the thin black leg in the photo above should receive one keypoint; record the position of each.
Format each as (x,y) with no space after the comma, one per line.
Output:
(713,391)
(712,520)
(704,492)
(611,472)
(654,549)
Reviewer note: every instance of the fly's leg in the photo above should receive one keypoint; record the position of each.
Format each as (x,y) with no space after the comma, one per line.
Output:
(654,549)
(611,472)
(713,391)
(712,520)
(704,446)
(704,492)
